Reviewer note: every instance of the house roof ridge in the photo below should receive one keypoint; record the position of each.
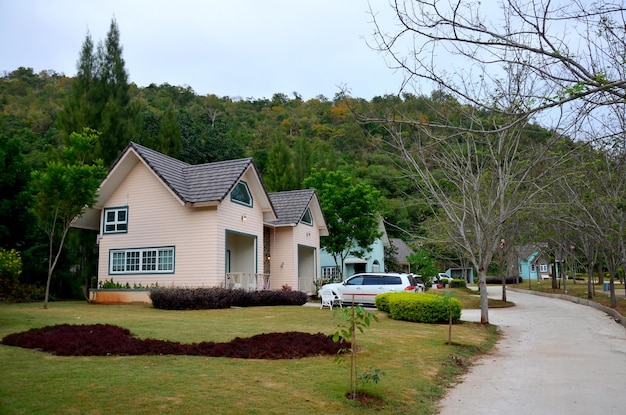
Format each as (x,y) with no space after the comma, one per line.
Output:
(169,169)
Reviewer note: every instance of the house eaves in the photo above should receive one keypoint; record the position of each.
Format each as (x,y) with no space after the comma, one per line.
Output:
(202,185)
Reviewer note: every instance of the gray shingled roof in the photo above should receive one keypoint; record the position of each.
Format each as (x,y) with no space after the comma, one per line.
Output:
(403,249)
(290,205)
(199,183)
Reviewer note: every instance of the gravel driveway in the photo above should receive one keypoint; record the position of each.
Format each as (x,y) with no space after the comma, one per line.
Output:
(555,357)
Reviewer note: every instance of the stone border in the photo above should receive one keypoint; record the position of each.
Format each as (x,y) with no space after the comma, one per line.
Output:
(584,301)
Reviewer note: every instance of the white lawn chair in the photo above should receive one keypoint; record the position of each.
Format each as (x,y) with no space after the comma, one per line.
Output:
(329,299)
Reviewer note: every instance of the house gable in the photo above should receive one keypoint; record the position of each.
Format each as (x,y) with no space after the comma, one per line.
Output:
(292,206)
(201,185)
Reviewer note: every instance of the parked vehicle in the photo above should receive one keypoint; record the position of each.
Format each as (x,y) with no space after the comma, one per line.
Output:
(442,278)
(363,288)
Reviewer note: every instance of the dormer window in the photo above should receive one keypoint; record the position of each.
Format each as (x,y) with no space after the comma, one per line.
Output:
(307,219)
(241,194)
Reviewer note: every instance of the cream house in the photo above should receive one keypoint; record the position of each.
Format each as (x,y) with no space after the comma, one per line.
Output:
(162,221)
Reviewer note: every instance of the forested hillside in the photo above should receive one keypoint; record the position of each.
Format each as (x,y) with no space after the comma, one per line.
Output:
(286,136)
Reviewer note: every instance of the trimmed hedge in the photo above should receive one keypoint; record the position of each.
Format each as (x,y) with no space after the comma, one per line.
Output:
(216,297)
(382,300)
(458,283)
(420,308)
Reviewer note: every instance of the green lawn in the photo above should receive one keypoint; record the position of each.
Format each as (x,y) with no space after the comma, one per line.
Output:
(415,358)
(580,290)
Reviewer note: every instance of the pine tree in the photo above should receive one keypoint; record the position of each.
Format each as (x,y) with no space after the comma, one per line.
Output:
(100,98)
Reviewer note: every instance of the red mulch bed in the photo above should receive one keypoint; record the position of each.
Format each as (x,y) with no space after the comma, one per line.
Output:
(108,340)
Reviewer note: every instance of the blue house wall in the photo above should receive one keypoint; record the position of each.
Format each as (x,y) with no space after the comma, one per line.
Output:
(531,264)
(374,261)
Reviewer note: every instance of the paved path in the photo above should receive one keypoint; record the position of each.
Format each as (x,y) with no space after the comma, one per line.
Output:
(555,357)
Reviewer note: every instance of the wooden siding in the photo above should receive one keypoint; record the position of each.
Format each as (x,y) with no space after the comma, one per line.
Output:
(284,243)
(229,220)
(156,218)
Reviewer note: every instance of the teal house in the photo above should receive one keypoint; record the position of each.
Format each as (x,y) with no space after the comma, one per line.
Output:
(372,261)
(533,261)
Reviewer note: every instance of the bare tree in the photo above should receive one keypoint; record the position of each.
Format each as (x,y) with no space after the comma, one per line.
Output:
(574,49)
(476,183)
(558,63)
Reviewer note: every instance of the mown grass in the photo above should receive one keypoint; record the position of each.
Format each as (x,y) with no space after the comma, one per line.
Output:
(471,299)
(415,357)
(580,290)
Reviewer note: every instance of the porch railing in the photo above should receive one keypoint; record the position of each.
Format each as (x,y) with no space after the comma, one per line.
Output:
(248,281)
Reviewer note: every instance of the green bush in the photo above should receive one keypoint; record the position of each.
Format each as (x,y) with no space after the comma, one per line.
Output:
(216,297)
(10,270)
(420,308)
(458,283)
(382,300)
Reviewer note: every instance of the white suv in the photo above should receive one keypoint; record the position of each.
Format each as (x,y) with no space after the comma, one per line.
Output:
(363,288)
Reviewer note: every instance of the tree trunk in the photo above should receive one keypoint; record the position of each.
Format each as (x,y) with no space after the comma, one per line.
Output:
(484,298)
(590,280)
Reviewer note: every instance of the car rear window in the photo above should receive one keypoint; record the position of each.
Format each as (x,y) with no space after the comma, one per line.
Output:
(392,280)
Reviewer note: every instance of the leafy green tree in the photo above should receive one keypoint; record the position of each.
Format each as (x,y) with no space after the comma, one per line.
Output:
(422,264)
(203,143)
(62,190)
(15,199)
(169,140)
(351,213)
(302,160)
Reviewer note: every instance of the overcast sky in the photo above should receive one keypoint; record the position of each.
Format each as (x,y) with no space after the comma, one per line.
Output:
(236,48)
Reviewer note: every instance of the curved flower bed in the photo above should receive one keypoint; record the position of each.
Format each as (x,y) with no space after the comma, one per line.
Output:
(107,340)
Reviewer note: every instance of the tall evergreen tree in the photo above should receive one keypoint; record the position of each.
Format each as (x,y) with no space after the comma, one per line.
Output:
(100,97)
(81,108)
(119,118)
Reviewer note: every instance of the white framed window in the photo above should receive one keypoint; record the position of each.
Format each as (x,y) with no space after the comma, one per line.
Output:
(142,261)
(533,268)
(307,218)
(543,268)
(116,220)
(241,194)
(330,272)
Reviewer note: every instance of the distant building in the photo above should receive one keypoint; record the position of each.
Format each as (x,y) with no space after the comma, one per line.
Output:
(372,261)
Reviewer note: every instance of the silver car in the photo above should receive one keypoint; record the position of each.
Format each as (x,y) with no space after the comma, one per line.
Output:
(363,288)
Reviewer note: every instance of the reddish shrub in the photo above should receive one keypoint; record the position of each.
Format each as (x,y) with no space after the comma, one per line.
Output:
(106,339)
